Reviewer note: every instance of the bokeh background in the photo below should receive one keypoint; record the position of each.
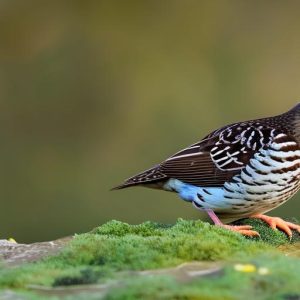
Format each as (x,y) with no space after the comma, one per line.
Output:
(92,92)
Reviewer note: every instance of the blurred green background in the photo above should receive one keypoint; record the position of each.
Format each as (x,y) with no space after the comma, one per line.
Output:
(92,92)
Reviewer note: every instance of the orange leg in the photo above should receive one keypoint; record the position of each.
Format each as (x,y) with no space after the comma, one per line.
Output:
(242,229)
(276,222)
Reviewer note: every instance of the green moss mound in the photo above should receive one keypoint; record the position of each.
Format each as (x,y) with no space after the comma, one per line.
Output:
(152,245)
(101,254)
(117,246)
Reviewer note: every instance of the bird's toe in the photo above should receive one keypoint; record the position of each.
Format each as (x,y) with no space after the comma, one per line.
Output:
(275,222)
(242,229)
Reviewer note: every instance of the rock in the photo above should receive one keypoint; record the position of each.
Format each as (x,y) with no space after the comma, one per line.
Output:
(11,295)
(187,271)
(14,254)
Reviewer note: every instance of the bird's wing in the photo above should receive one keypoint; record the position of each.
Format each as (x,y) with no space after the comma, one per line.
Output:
(220,156)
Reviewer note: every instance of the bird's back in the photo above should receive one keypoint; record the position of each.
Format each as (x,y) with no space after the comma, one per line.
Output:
(220,155)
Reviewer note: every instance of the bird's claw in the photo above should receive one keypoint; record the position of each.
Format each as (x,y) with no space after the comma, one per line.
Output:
(275,222)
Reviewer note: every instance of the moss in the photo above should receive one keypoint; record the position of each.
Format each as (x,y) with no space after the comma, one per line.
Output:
(86,276)
(151,245)
(281,283)
(115,246)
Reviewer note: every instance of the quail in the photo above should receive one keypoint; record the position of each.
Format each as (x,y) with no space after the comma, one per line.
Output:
(241,170)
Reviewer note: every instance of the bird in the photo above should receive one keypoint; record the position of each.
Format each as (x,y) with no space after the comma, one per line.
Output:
(242,170)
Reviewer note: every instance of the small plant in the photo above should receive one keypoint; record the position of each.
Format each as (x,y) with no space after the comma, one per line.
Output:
(86,276)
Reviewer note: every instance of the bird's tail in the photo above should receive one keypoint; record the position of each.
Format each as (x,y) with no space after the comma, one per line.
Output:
(147,177)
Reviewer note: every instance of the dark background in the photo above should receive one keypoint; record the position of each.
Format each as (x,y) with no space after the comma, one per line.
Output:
(92,92)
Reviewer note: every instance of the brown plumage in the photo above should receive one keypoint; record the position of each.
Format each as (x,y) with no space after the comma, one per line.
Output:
(200,169)
(239,170)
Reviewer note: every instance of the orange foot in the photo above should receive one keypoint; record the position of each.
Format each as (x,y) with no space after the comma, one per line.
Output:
(242,229)
(276,222)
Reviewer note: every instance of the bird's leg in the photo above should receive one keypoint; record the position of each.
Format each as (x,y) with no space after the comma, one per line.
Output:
(242,229)
(275,222)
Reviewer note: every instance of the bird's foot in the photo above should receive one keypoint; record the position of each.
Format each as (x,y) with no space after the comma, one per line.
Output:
(275,222)
(242,229)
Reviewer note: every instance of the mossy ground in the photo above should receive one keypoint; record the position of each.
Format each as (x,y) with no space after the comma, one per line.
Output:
(281,283)
(99,255)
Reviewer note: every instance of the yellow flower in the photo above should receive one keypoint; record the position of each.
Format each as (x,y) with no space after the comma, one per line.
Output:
(12,240)
(247,268)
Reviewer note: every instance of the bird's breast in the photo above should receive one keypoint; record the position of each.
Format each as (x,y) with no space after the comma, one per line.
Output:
(270,178)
